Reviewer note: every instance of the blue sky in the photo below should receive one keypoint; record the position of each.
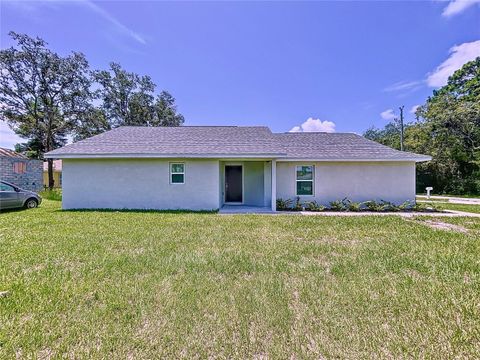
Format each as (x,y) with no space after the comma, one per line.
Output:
(342,66)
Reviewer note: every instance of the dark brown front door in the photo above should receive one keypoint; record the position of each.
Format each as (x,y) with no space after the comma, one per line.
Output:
(233,183)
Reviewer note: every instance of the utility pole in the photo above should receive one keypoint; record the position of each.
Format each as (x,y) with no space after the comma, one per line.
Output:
(401,127)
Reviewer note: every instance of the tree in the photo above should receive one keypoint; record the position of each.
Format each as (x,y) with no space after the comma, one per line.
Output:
(42,94)
(166,111)
(453,117)
(127,98)
(93,122)
(448,129)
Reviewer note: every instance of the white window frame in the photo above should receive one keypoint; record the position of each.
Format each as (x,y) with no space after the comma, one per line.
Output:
(170,165)
(313,179)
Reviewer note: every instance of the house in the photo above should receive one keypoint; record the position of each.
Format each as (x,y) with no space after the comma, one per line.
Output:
(19,170)
(57,173)
(210,167)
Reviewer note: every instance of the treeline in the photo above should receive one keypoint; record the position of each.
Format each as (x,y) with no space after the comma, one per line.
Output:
(45,98)
(448,129)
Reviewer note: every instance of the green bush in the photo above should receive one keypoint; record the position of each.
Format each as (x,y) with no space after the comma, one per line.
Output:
(284,204)
(298,206)
(372,205)
(337,205)
(314,206)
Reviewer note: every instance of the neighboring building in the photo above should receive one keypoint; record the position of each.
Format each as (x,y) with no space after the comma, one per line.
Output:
(57,173)
(20,170)
(207,167)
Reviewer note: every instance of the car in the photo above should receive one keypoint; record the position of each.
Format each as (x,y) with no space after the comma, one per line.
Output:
(12,197)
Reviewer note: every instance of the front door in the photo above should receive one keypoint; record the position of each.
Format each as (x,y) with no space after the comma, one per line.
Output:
(233,184)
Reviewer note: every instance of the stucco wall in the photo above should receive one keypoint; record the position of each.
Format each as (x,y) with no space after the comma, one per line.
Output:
(253,183)
(394,182)
(139,184)
(30,180)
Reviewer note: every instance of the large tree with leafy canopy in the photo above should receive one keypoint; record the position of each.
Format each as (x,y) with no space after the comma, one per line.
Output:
(452,118)
(42,94)
(128,99)
(448,128)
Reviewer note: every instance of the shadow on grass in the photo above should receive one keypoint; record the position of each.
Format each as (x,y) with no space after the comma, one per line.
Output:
(5,211)
(141,211)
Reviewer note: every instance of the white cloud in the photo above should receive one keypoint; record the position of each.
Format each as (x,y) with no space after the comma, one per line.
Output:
(414,109)
(404,86)
(315,125)
(32,8)
(7,137)
(458,6)
(111,19)
(459,55)
(388,114)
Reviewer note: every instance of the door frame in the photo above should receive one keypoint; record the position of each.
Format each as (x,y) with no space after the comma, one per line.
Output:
(225,184)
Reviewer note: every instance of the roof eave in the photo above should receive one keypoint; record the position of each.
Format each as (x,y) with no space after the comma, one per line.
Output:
(158,156)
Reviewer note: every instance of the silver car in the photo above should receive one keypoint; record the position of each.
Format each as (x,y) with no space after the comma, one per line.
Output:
(12,197)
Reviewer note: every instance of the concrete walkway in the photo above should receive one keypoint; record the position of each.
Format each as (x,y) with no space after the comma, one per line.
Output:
(264,211)
(450,199)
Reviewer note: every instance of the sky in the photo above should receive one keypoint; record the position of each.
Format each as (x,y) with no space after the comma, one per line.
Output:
(293,66)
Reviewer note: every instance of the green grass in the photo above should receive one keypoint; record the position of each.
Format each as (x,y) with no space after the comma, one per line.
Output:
(459,207)
(150,285)
(451,195)
(54,194)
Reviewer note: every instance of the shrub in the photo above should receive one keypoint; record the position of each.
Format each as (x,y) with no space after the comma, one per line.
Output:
(284,204)
(372,205)
(387,206)
(314,206)
(354,206)
(337,205)
(424,207)
(407,205)
(298,206)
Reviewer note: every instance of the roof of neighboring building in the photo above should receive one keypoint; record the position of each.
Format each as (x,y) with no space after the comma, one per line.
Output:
(57,165)
(230,142)
(11,154)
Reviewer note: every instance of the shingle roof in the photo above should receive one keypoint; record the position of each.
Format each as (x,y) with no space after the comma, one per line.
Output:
(230,141)
(340,146)
(11,154)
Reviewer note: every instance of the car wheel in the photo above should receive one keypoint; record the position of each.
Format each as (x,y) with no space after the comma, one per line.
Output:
(31,203)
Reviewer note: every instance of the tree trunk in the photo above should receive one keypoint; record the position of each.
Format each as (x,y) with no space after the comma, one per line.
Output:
(51,181)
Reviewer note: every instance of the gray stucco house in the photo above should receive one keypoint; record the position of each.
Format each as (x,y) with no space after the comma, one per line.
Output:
(20,170)
(213,167)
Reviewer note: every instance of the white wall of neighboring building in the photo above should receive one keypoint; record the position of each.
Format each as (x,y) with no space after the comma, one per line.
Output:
(357,181)
(139,184)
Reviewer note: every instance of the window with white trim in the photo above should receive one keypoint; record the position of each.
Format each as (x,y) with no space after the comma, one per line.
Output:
(304,179)
(177,173)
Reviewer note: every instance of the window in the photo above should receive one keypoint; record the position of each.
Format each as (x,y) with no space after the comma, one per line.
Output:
(5,187)
(177,173)
(304,181)
(19,167)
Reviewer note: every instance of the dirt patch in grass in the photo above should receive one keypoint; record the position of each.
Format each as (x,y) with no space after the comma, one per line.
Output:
(435,224)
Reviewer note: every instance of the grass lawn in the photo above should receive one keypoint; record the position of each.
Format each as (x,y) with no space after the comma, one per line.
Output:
(150,284)
(459,207)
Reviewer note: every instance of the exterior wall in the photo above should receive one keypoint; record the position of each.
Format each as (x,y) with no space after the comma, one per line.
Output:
(139,184)
(57,177)
(253,183)
(253,177)
(389,181)
(30,180)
